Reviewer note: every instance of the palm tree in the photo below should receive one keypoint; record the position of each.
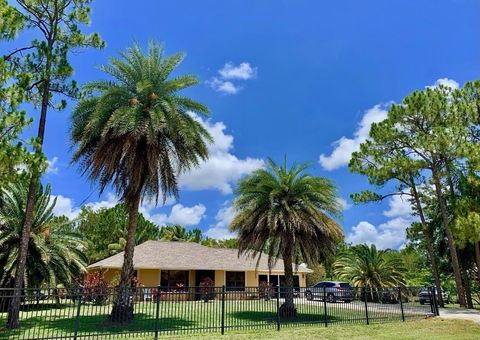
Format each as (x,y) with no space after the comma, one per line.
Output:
(286,213)
(138,133)
(56,254)
(365,266)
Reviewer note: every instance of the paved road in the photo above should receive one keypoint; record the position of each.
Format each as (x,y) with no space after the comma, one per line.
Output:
(462,314)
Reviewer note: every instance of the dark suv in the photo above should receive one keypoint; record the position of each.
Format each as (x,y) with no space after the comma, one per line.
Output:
(426,294)
(333,291)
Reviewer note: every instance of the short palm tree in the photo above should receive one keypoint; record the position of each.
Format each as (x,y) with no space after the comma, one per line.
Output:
(286,213)
(56,254)
(137,132)
(366,266)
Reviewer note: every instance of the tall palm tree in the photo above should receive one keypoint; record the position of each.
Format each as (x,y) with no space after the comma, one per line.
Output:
(365,266)
(56,254)
(286,213)
(137,132)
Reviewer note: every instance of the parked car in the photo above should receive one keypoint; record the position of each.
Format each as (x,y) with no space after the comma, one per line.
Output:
(332,290)
(392,296)
(425,293)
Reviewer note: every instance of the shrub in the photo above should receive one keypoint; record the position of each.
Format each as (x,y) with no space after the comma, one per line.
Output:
(95,288)
(207,289)
(265,290)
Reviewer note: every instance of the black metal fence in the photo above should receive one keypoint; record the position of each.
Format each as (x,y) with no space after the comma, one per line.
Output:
(86,312)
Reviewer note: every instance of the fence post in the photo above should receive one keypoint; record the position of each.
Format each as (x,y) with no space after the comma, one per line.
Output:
(278,308)
(77,317)
(429,289)
(325,306)
(223,310)
(157,311)
(435,301)
(366,305)
(401,302)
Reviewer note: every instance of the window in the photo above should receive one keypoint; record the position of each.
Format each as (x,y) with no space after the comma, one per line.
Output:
(235,280)
(174,278)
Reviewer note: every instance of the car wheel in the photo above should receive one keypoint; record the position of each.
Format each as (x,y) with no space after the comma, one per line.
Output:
(309,296)
(330,298)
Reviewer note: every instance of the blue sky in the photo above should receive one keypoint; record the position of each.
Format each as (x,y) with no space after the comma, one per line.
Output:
(302,78)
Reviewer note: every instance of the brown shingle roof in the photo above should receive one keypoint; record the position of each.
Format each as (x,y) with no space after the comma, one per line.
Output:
(168,255)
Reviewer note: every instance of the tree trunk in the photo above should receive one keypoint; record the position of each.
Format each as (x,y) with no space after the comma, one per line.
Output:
(122,310)
(287,309)
(430,250)
(14,307)
(477,259)
(451,243)
(468,291)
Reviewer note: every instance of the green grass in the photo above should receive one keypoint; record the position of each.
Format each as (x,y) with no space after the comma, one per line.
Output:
(190,316)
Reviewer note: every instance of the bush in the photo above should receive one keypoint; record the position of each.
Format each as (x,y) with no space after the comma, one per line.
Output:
(207,289)
(265,290)
(95,288)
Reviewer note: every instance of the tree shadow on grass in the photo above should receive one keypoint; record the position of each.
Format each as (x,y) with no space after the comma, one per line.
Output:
(94,325)
(271,317)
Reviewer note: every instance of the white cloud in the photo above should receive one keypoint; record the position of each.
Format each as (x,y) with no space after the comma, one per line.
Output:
(51,168)
(223,86)
(222,167)
(390,234)
(186,216)
(398,206)
(111,201)
(344,203)
(220,230)
(445,82)
(229,72)
(243,71)
(64,207)
(344,147)
(387,235)
(179,214)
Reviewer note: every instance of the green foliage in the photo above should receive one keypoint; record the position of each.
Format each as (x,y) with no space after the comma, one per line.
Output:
(365,266)
(13,152)
(12,21)
(105,230)
(286,213)
(136,131)
(56,254)
(319,274)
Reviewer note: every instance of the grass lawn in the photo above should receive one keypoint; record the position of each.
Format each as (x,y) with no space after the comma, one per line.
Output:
(432,328)
(195,317)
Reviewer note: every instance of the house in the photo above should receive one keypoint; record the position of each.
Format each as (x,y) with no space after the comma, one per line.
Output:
(168,263)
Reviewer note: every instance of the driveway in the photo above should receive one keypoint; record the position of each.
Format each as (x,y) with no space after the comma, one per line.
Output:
(462,314)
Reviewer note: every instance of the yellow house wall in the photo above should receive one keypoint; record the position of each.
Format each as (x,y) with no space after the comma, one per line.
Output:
(251,279)
(191,278)
(219,278)
(111,274)
(149,277)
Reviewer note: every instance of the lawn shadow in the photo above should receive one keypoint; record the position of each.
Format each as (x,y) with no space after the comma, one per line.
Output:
(94,325)
(271,317)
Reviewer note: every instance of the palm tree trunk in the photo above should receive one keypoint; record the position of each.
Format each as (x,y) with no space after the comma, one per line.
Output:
(13,320)
(428,239)
(287,309)
(451,243)
(122,310)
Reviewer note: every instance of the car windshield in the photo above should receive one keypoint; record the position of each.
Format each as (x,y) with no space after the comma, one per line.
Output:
(345,285)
